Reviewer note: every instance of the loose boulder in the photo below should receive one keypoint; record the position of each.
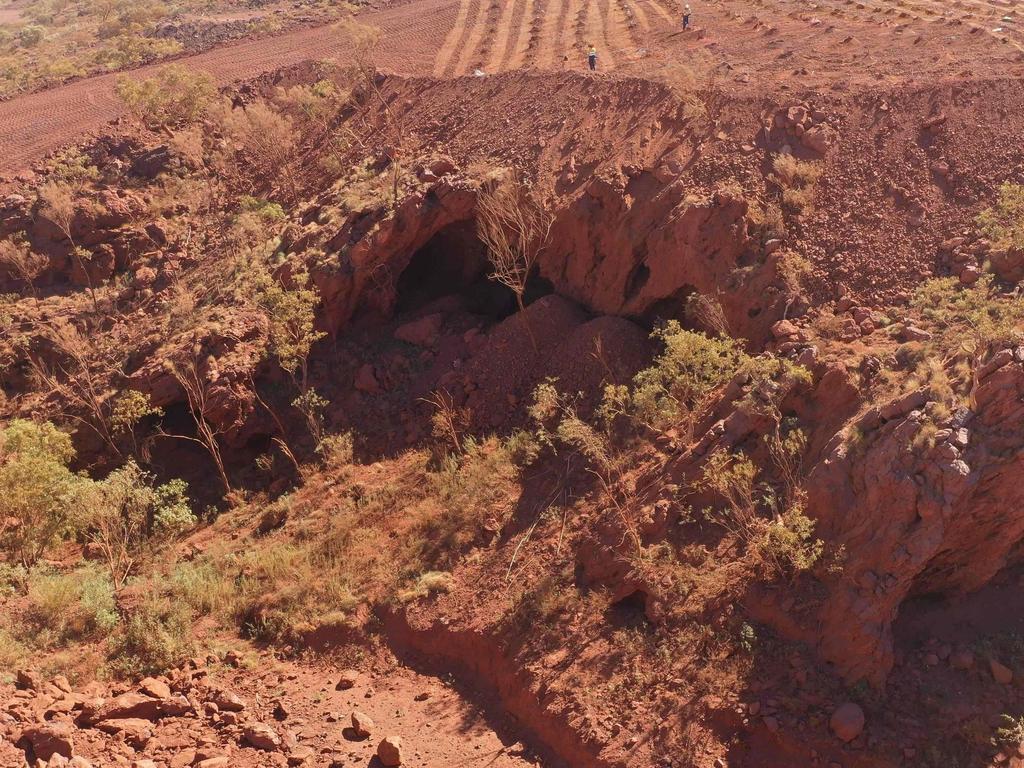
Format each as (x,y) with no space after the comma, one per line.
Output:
(228,702)
(158,689)
(389,751)
(46,741)
(362,725)
(1000,673)
(422,332)
(133,730)
(261,736)
(847,721)
(347,679)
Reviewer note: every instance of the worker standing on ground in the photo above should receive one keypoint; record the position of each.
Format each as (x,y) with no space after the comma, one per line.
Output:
(592,57)
(686,18)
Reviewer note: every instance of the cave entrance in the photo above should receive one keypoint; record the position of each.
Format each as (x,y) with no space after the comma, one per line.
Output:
(629,612)
(454,263)
(671,307)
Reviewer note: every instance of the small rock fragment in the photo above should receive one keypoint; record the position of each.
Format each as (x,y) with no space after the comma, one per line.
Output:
(347,679)
(961,660)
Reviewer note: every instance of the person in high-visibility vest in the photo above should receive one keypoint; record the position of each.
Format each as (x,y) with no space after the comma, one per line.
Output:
(592,58)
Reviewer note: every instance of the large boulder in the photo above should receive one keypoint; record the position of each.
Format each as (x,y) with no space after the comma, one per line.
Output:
(362,725)
(131,706)
(422,332)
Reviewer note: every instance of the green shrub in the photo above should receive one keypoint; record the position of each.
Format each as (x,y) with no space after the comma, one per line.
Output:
(1003,223)
(1010,732)
(683,377)
(264,209)
(789,543)
(173,96)
(36,488)
(130,408)
(337,450)
(682,383)
(155,638)
(968,320)
(125,514)
(71,606)
(783,539)
(31,36)
(12,578)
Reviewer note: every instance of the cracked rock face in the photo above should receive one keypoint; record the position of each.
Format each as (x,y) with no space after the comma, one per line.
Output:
(918,513)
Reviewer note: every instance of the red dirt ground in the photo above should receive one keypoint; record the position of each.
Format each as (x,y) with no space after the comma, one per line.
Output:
(436,723)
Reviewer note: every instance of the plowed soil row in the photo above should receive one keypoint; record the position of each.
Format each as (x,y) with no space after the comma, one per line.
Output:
(495,37)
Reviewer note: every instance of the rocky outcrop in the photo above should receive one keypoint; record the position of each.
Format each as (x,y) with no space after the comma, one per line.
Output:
(106,227)
(373,247)
(920,507)
(627,245)
(800,128)
(635,247)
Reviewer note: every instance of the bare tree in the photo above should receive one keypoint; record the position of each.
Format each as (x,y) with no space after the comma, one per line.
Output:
(707,314)
(390,134)
(263,140)
(58,205)
(449,421)
(81,377)
(196,385)
(18,259)
(516,228)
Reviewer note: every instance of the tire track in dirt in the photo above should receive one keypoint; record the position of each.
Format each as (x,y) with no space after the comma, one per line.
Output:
(660,11)
(449,48)
(598,34)
(474,34)
(622,29)
(573,33)
(485,47)
(549,32)
(573,40)
(638,14)
(498,58)
(521,48)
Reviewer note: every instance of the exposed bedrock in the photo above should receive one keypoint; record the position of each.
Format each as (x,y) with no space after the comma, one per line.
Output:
(632,247)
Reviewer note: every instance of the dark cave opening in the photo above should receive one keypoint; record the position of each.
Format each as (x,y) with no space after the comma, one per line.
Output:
(454,262)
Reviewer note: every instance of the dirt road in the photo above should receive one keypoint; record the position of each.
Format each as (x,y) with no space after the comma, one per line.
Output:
(32,126)
(791,44)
